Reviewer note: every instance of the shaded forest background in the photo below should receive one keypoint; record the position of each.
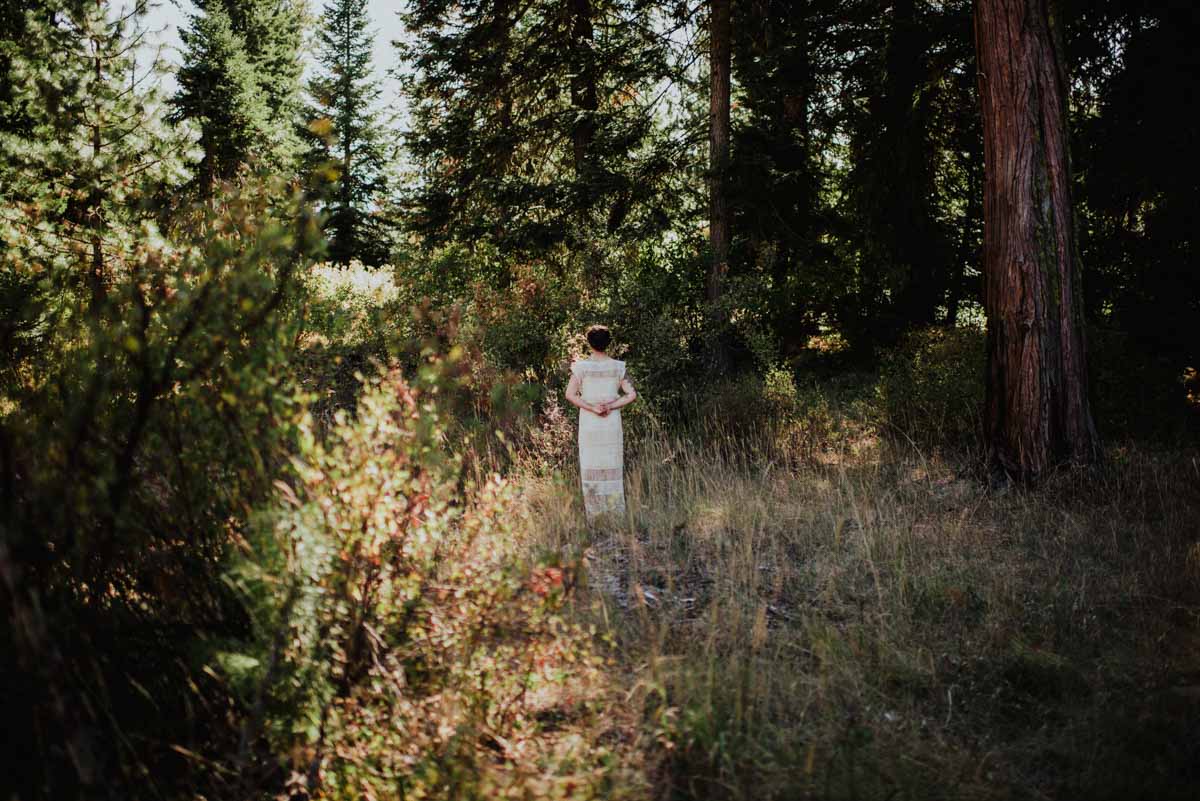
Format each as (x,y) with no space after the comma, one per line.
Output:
(283,468)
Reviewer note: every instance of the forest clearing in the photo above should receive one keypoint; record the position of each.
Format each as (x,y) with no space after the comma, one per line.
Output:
(293,499)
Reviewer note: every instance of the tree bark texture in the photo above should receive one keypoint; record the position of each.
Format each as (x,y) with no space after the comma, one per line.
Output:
(718,145)
(1037,412)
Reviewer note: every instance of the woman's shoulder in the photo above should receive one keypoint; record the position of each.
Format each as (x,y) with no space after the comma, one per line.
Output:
(594,367)
(609,365)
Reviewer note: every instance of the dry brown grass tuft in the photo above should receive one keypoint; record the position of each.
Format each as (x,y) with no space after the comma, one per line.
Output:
(862,622)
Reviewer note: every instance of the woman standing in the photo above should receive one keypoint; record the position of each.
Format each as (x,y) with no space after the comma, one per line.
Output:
(595,387)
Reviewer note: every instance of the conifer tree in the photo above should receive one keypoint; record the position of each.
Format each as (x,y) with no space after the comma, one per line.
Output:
(783,221)
(89,162)
(905,108)
(540,115)
(273,34)
(240,84)
(348,147)
(12,26)
(218,90)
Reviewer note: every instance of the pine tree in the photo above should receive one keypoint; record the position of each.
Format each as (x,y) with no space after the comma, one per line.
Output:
(239,83)
(89,162)
(348,137)
(907,107)
(273,34)
(533,124)
(12,23)
(782,219)
(889,180)
(218,90)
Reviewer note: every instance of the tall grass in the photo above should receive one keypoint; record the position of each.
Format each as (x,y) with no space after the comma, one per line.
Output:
(860,622)
(812,597)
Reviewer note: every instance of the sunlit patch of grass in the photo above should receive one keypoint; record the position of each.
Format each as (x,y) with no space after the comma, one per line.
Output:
(861,621)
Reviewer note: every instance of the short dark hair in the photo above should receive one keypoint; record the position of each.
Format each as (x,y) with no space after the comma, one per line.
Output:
(599,337)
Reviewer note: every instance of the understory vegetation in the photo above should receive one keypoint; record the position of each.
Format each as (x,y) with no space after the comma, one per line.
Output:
(869,621)
(289,487)
(814,594)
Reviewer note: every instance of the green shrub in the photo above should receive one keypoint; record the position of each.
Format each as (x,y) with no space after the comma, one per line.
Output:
(401,643)
(931,389)
(135,433)
(1136,391)
(350,317)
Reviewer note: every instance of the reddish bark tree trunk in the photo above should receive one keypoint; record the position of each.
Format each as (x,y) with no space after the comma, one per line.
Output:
(718,145)
(1037,412)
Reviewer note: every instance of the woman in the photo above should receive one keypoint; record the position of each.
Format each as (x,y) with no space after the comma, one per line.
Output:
(595,387)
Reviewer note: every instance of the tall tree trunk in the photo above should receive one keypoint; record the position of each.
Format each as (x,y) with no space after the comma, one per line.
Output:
(718,145)
(798,116)
(1037,411)
(583,82)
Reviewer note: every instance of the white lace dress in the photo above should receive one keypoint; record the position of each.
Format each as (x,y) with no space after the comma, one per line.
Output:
(601,457)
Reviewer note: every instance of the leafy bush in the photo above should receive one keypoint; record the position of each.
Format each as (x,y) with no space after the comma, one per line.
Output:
(524,319)
(349,317)
(657,321)
(135,431)
(400,642)
(931,388)
(785,421)
(1136,391)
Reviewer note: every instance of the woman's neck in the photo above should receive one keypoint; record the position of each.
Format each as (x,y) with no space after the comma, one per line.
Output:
(599,355)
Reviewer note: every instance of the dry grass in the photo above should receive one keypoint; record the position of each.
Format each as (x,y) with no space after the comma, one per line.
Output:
(864,623)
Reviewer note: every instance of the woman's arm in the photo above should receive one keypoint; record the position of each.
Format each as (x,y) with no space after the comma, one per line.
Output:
(575,399)
(629,397)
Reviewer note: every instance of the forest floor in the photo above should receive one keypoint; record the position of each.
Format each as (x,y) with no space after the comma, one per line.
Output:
(852,621)
(798,606)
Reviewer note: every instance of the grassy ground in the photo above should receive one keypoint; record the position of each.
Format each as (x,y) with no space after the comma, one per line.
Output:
(803,603)
(833,618)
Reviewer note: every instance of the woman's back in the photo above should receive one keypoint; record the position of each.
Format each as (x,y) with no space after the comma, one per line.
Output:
(596,388)
(599,379)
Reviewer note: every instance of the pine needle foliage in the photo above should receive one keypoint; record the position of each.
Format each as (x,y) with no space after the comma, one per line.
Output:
(239,83)
(86,164)
(533,124)
(347,140)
